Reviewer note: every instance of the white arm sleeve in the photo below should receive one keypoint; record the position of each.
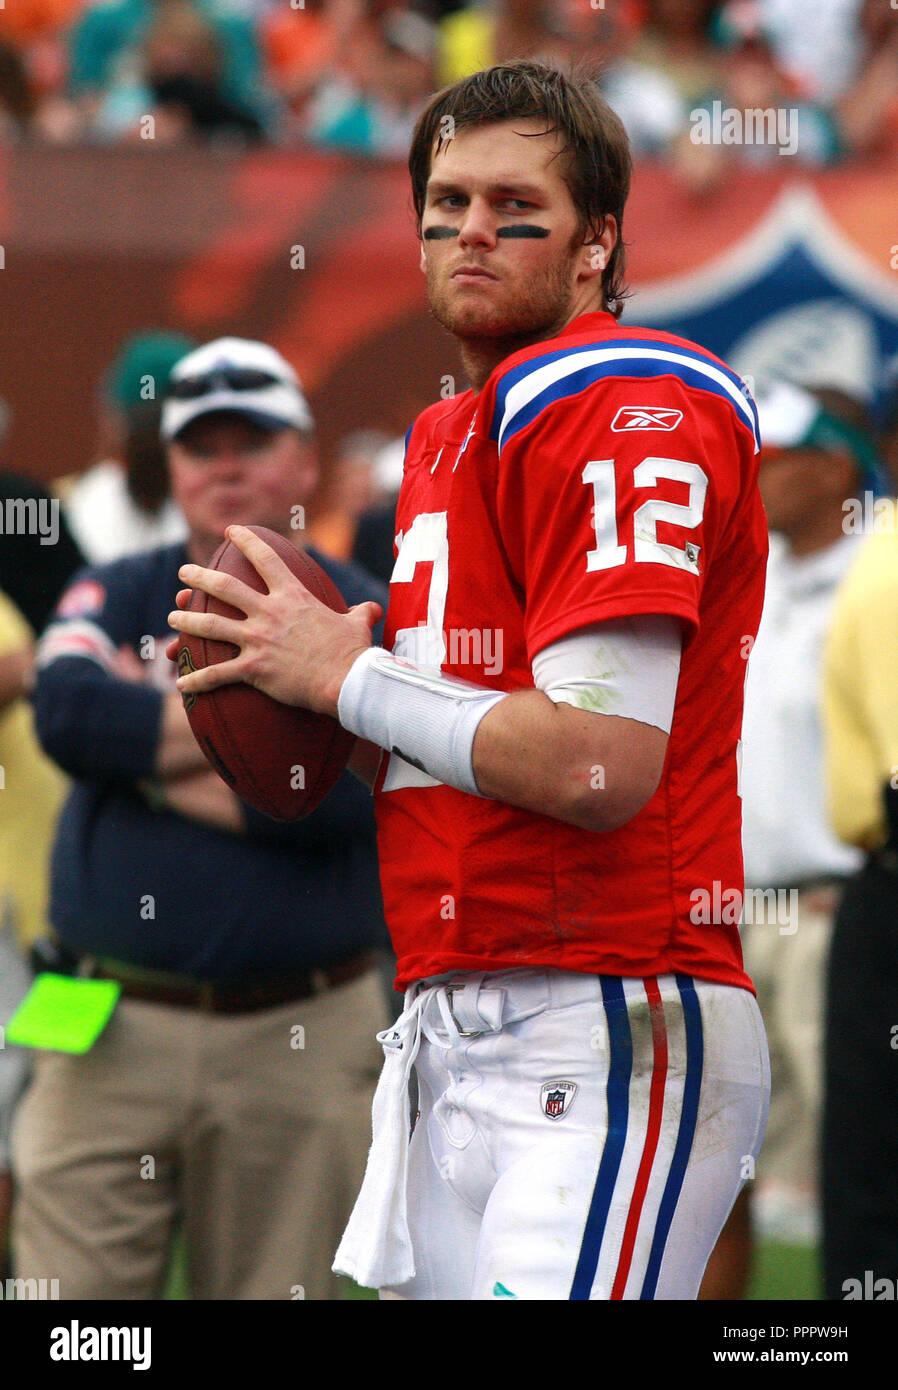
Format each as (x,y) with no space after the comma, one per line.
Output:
(628,667)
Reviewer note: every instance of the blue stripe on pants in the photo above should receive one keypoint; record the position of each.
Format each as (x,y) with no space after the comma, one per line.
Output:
(620,1046)
(692,1016)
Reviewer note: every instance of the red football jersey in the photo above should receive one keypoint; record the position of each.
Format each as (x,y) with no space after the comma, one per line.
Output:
(604,473)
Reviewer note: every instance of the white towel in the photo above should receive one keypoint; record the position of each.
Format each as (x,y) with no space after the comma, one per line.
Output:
(376,1249)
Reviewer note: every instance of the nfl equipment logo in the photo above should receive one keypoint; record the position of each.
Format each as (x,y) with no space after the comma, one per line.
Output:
(556,1098)
(185,666)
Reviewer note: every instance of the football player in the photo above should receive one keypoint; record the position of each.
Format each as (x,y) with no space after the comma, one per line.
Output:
(554,725)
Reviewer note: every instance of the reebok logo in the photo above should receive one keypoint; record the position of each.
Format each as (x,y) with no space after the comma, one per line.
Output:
(638,417)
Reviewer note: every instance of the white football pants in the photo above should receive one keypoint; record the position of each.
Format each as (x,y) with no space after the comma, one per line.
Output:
(579,1136)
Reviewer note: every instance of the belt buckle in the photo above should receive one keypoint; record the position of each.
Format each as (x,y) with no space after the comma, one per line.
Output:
(462,1032)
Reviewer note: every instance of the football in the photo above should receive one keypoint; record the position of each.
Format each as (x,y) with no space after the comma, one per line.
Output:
(281,759)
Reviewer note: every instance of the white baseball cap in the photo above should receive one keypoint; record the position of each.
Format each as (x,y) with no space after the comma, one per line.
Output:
(786,414)
(237,375)
(793,418)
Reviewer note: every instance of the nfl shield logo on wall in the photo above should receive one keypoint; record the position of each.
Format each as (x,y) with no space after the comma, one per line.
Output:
(556,1098)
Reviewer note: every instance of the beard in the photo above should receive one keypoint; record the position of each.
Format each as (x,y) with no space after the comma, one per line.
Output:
(517,315)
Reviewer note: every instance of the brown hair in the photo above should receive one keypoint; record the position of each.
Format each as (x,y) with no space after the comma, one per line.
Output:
(596,147)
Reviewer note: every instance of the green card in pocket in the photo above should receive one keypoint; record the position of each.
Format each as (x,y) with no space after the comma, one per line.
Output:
(63,1013)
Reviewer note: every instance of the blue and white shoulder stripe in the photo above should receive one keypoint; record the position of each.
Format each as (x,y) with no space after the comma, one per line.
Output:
(527,389)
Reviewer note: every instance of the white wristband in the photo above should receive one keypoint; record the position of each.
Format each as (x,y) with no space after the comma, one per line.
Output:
(426,718)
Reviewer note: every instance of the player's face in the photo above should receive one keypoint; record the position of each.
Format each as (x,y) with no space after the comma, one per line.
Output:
(501,244)
(225,469)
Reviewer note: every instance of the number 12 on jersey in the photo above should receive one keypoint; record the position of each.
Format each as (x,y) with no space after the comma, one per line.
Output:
(610,551)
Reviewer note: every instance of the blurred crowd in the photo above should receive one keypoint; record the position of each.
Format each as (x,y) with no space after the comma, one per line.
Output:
(351,75)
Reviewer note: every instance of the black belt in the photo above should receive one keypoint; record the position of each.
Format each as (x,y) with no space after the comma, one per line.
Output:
(230,996)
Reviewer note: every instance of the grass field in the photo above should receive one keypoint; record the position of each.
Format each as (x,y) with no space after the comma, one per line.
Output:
(785,1272)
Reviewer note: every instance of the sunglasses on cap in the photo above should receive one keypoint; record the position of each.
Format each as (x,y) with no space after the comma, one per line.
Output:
(190,388)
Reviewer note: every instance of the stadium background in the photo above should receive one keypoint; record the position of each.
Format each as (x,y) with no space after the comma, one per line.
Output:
(316,254)
(773,262)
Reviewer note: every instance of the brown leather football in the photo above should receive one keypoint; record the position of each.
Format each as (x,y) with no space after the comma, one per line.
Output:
(281,759)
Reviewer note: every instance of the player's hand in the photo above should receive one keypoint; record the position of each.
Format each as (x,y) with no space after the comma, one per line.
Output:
(291,645)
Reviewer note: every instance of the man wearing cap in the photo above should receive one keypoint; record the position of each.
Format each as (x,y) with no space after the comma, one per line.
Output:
(230,1091)
(816,454)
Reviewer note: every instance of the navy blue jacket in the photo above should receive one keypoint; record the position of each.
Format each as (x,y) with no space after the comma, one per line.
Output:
(150,887)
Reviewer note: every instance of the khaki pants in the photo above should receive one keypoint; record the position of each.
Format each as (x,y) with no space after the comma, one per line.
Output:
(250,1131)
(788,971)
